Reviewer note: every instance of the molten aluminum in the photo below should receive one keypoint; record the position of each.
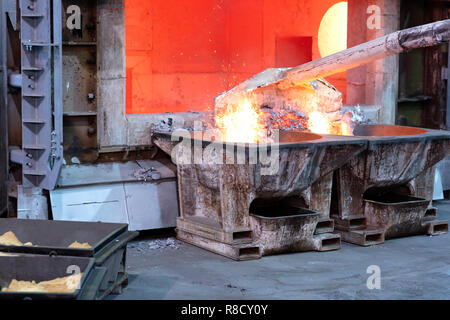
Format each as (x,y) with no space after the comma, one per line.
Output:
(246,120)
(242,122)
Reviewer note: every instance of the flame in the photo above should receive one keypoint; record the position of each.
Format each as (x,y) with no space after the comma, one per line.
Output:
(244,122)
(241,122)
(346,126)
(318,123)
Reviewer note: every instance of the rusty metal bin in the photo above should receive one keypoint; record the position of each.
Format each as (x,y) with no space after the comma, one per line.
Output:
(42,268)
(398,160)
(49,236)
(291,229)
(216,197)
(108,247)
(400,215)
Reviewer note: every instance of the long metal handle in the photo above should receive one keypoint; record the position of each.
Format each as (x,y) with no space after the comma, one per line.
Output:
(397,42)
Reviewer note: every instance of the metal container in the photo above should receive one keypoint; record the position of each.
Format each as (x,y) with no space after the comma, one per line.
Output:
(290,229)
(108,248)
(400,215)
(42,268)
(216,196)
(48,236)
(398,160)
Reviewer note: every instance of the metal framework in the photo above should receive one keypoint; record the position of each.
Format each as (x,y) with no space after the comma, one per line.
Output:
(41,50)
(447,76)
(3,113)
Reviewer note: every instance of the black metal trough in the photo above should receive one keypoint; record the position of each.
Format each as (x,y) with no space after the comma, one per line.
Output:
(50,238)
(43,268)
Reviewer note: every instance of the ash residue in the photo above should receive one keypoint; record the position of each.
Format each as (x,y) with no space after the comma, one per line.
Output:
(357,116)
(195,121)
(154,244)
(280,119)
(165,126)
(146,174)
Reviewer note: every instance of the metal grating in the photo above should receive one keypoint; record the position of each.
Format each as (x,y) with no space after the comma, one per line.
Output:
(41,92)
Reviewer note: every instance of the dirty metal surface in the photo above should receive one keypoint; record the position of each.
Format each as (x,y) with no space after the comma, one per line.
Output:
(80,139)
(215,199)
(111,172)
(55,236)
(291,230)
(80,81)
(389,162)
(400,215)
(398,160)
(41,268)
(3,114)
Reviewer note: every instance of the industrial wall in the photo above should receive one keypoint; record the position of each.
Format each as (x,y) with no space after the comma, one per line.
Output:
(3,114)
(181,54)
(153,65)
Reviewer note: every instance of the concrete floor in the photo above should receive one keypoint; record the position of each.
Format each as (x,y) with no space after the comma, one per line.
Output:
(411,268)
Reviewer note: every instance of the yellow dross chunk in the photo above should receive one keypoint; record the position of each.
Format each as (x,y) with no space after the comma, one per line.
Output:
(59,285)
(10,239)
(79,245)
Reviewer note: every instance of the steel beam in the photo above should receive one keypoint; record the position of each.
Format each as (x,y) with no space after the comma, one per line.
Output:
(3,113)
(447,70)
(41,92)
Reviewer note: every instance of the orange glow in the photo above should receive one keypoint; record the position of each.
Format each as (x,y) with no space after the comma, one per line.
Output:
(318,123)
(333,30)
(346,129)
(241,123)
(182,54)
(245,123)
